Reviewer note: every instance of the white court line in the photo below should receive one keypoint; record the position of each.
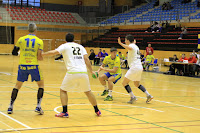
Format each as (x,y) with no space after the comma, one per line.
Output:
(37,91)
(15,120)
(13,129)
(55,109)
(162,101)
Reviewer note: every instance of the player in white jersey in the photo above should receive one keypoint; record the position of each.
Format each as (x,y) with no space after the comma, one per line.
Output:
(135,72)
(76,60)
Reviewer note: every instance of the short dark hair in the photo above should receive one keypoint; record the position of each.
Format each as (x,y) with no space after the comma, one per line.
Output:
(120,52)
(69,37)
(91,50)
(130,38)
(113,49)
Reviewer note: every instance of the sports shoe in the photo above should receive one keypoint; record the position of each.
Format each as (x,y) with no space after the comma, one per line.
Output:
(149,98)
(108,98)
(98,113)
(132,100)
(105,92)
(39,110)
(10,111)
(65,115)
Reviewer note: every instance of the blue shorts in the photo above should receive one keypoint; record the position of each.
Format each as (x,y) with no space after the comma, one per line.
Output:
(117,76)
(25,70)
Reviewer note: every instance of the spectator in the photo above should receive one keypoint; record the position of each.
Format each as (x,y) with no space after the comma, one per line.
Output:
(165,26)
(192,59)
(157,3)
(198,55)
(92,56)
(169,6)
(198,66)
(126,61)
(149,59)
(186,1)
(100,54)
(164,6)
(104,54)
(178,25)
(180,66)
(183,33)
(192,68)
(198,3)
(182,58)
(148,49)
(98,57)
(194,53)
(156,27)
(149,29)
(172,67)
(122,58)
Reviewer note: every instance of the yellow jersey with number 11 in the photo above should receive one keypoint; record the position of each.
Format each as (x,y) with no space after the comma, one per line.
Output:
(29,46)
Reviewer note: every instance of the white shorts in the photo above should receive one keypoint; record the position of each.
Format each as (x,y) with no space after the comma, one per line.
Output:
(134,73)
(76,82)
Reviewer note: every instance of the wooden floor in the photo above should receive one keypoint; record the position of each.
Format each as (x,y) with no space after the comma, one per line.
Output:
(175,107)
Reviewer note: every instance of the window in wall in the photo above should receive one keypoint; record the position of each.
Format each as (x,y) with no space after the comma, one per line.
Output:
(29,3)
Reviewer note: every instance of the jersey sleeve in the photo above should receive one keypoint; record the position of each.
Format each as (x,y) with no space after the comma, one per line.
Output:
(19,42)
(153,56)
(105,60)
(117,63)
(60,49)
(41,45)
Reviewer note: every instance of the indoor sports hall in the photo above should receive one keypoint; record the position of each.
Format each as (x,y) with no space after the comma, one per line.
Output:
(167,34)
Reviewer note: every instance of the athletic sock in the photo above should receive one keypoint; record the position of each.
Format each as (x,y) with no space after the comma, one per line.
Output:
(106,88)
(128,89)
(96,108)
(39,96)
(110,92)
(13,97)
(144,90)
(147,93)
(64,108)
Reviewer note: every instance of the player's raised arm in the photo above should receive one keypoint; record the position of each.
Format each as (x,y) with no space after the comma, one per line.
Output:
(50,53)
(124,45)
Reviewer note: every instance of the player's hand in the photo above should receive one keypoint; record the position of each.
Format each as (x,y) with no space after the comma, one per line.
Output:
(94,73)
(119,40)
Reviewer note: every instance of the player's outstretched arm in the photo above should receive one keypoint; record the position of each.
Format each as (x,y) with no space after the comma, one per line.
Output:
(124,45)
(50,53)
(101,68)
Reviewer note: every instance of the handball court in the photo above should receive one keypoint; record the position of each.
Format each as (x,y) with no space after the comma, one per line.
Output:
(175,107)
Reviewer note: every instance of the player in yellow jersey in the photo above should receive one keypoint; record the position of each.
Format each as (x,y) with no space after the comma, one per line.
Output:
(31,48)
(113,73)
